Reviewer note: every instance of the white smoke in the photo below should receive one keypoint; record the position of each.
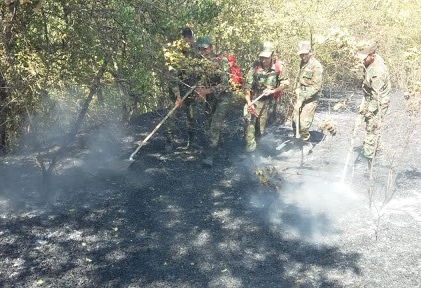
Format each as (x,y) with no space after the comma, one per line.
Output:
(314,211)
(311,207)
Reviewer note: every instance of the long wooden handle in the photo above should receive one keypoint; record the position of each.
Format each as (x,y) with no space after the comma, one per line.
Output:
(297,124)
(246,111)
(159,124)
(258,98)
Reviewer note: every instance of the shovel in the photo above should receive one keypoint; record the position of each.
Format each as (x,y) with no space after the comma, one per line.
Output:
(246,112)
(258,98)
(297,124)
(125,164)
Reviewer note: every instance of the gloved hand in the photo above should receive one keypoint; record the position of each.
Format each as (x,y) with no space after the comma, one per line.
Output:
(298,105)
(369,115)
(177,102)
(250,108)
(362,110)
(299,102)
(203,91)
(268,91)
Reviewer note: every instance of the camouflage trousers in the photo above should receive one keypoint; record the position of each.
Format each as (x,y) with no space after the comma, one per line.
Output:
(188,107)
(255,124)
(372,135)
(273,114)
(305,117)
(216,110)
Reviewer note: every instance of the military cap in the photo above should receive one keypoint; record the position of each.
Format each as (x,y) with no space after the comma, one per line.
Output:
(203,42)
(266,49)
(304,47)
(366,49)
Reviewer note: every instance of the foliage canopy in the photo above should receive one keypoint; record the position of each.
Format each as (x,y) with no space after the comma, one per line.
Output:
(51,50)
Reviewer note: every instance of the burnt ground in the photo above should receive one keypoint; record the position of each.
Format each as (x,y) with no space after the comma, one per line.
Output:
(274,218)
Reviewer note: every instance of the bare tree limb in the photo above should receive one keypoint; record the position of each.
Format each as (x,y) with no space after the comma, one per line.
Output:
(79,121)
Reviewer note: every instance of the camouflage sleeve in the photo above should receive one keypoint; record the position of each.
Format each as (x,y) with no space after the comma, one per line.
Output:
(381,88)
(314,84)
(173,84)
(283,78)
(224,84)
(226,75)
(285,82)
(248,84)
(379,85)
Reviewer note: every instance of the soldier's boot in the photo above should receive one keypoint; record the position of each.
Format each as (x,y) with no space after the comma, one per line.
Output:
(221,143)
(307,147)
(251,143)
(291,134)
(369,164)
(209,157)
(169,144)
(190,139)
(251,146)
(222,150)
(168,147)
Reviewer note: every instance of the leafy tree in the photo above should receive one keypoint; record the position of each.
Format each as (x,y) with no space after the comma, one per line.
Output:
(52,50)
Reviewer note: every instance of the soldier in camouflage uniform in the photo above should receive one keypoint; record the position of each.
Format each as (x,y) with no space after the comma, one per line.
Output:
(262,78)
(376,87)
(308,86)
(180,82)
(215,89)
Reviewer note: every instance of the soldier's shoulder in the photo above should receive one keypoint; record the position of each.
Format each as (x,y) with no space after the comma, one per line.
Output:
(378,67)
(279,63)
(316,63)
(376,71)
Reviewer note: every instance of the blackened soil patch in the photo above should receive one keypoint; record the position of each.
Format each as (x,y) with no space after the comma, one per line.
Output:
(272,218)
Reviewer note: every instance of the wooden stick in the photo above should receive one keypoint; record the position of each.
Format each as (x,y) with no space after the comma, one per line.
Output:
(159,124)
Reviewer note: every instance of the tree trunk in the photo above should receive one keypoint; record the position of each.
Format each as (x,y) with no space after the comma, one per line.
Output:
(3,115)
(47,171)
(6,24)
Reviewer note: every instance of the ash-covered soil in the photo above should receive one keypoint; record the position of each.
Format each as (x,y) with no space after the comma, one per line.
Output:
(274,218)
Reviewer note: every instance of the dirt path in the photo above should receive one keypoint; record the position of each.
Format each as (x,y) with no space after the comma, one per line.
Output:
(269,219)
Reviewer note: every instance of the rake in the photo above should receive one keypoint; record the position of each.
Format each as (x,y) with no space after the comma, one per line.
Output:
(125,164)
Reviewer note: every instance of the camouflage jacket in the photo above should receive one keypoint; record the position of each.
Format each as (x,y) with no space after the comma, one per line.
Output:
(308,84)
(258,79)
(215,73)
(376,86)
(180,60)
